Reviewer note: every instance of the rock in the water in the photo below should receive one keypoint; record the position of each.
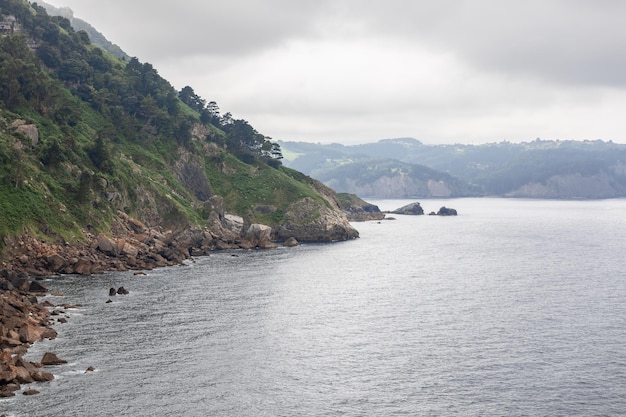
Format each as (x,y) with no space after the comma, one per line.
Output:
(122,291)
(31,392)
(414,209)
(50,358)
(112,292)
(291,242)
(445,211)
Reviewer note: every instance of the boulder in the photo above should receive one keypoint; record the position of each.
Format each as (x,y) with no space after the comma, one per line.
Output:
(42,376)
(129,250)
(291,242)
(50,358)
(37,288)
(29,333)
(31,132)
(122,291)
(112,292)
(84,267)
(259,235)
(106,245)
(56,262)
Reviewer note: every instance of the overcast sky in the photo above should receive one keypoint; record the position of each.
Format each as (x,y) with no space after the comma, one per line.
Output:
(355,71)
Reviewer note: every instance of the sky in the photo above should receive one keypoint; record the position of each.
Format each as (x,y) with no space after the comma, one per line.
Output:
(356,71)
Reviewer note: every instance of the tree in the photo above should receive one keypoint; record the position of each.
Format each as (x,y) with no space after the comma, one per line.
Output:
(190,98)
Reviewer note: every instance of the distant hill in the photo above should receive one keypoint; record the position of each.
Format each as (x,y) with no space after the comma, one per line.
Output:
(538,169)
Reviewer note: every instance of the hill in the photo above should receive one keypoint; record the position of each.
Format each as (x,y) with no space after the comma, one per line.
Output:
(538,169)
(104,165)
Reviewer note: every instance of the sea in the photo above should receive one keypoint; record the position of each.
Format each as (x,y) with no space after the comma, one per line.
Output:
(512,308)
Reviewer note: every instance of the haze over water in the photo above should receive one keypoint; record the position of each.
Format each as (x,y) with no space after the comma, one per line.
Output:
(514,307)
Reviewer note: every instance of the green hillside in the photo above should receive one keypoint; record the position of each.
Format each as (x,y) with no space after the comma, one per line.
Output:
(85,136)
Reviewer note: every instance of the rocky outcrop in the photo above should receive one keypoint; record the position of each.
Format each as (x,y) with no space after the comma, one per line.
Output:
(309,220)
(445,211)
(358,210)
(414,209)
(28,130)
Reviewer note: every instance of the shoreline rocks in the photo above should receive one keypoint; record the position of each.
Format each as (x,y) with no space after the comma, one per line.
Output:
(23,321)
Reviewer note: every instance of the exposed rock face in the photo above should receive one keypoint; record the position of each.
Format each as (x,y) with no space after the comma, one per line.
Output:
(414,209)
(27,130)
(313,221)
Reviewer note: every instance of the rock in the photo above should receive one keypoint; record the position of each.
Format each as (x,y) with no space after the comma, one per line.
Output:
(444,211)
(129,250)
(291,242)
(309,220)
(7,376)
(30,334)
(31,392)
(22,375)
(112,292)
(37,288)
(90,369)
(109,301)
(233,223)
(122,291)
(259,235)
(413,209)
(52,359)
(31,132)
(84,267)
(56,262)
(42,376)
(106,245)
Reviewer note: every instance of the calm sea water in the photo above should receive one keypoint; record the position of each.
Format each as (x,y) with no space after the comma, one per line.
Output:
(512,308)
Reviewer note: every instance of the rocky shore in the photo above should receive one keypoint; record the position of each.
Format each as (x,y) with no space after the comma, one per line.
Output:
(24,321)
(128,245)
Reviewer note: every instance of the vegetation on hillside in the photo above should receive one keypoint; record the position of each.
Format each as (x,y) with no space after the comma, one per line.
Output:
(114,135)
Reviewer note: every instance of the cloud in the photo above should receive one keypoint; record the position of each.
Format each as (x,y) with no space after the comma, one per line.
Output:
(354,71)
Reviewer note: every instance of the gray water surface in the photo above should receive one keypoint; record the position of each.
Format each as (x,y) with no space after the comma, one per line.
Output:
(514,307)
